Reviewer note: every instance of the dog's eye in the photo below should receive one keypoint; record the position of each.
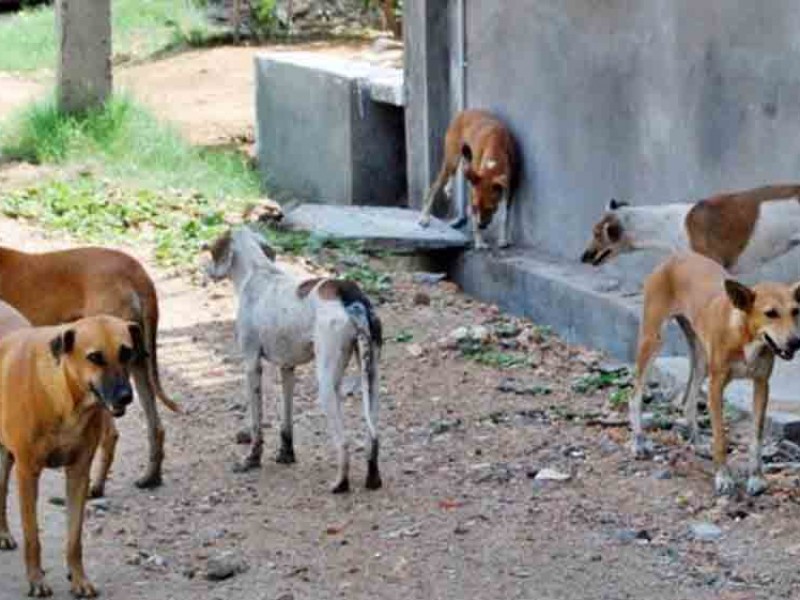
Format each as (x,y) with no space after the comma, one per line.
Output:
(772,314)
(96,358)
(125,354)
(795,311)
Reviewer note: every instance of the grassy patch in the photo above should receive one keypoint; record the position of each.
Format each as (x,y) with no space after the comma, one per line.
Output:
(140,28)
(126,143)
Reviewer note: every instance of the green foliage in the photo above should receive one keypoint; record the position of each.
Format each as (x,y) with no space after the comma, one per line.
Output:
(264,15)
(372,281)
(140,28)
(127,143)
(479,352)
(403,336)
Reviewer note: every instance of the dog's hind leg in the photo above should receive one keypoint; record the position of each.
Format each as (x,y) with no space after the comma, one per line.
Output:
(445,175)
(697,374)
(254,369)
(155,430)
(504,239)
(367,356)
(6,464)
(286,452)
(77,476)
(724,483)
(333,354)
(655,313)
(108,446)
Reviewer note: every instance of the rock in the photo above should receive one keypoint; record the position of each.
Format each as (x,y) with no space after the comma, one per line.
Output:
(428,278)
(422,299)
(705,532)
(548,474)
(224,566)
(611,368)
(477,333)
(662,474)
(632,535)
(244,437)
(528,387)
(415,350)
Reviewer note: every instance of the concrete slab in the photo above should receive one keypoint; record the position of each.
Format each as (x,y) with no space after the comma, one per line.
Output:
(783,416)
(330,130)
(379,226)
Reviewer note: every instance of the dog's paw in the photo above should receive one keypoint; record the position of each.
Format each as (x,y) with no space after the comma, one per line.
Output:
(39,589)
(149,481)
(724,484)
(7,542)
(83,589)
(250,463)
(98,490)
(641,447)
(481,246)
(285,456)
(424,221)
(341,487)
(503,244)
(374,481)
(756,485)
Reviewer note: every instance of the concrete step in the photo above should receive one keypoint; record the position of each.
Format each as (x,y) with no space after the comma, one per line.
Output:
(783,415)
(386,227)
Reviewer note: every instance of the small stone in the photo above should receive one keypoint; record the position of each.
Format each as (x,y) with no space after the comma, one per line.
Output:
(662,474)
(632,535)
(705,532)
(422,299)
(244,437)
(548,474)
(415,350)
(428,278)
(224,566)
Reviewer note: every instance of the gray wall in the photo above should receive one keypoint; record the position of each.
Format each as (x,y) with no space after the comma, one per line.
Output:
(650,101)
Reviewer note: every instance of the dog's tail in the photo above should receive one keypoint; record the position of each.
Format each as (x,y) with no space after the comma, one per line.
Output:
(150,326)
(369,340)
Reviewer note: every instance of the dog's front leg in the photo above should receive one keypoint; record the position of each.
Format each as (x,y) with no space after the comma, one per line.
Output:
(286,451)
(724,483)
(108,446)
(253,459)
(28,489)
(7,542)
(477,235)
(756,484)
(441,180)
(504,240)
(77,490)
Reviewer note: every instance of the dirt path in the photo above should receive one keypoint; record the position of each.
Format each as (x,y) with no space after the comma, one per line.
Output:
(459,517)
(208,94)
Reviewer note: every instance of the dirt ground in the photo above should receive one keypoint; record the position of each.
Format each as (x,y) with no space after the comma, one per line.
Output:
(208,94)
(461,514)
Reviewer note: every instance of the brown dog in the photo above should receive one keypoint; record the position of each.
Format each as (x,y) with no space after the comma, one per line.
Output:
(93,281)
(734,332)
(57,384)
(486,147)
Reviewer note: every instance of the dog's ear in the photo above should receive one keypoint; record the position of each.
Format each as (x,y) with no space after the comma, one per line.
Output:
(615,204)
(614,230)
(137,339)
(741,296)
(466,152)
(796,292)
(62,344)
(267,250)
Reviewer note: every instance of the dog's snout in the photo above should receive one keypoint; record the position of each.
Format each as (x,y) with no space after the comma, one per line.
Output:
(587,257)
(794,344)
(123,394)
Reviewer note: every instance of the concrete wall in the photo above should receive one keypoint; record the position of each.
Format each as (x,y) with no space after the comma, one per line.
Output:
(657,101)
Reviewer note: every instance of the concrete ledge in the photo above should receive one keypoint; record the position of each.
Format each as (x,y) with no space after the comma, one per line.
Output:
(572,299)
(330,130)
(394,228)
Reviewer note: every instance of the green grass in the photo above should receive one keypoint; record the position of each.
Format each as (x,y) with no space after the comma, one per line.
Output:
(141,179)
(128,144)
(140,28)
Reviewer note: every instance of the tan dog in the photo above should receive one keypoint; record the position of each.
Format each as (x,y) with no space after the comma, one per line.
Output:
(93,281)
(486,147)
(740,230)
(56,386)
(734,332)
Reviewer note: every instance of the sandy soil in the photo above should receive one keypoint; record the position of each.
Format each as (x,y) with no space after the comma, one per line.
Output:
(208,94)
(460,515)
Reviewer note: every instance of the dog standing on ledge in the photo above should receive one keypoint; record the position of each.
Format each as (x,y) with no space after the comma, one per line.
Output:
(741,231)
(486,148)
(734,332)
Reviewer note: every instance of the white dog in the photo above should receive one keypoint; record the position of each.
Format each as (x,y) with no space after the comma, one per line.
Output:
(290,322)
